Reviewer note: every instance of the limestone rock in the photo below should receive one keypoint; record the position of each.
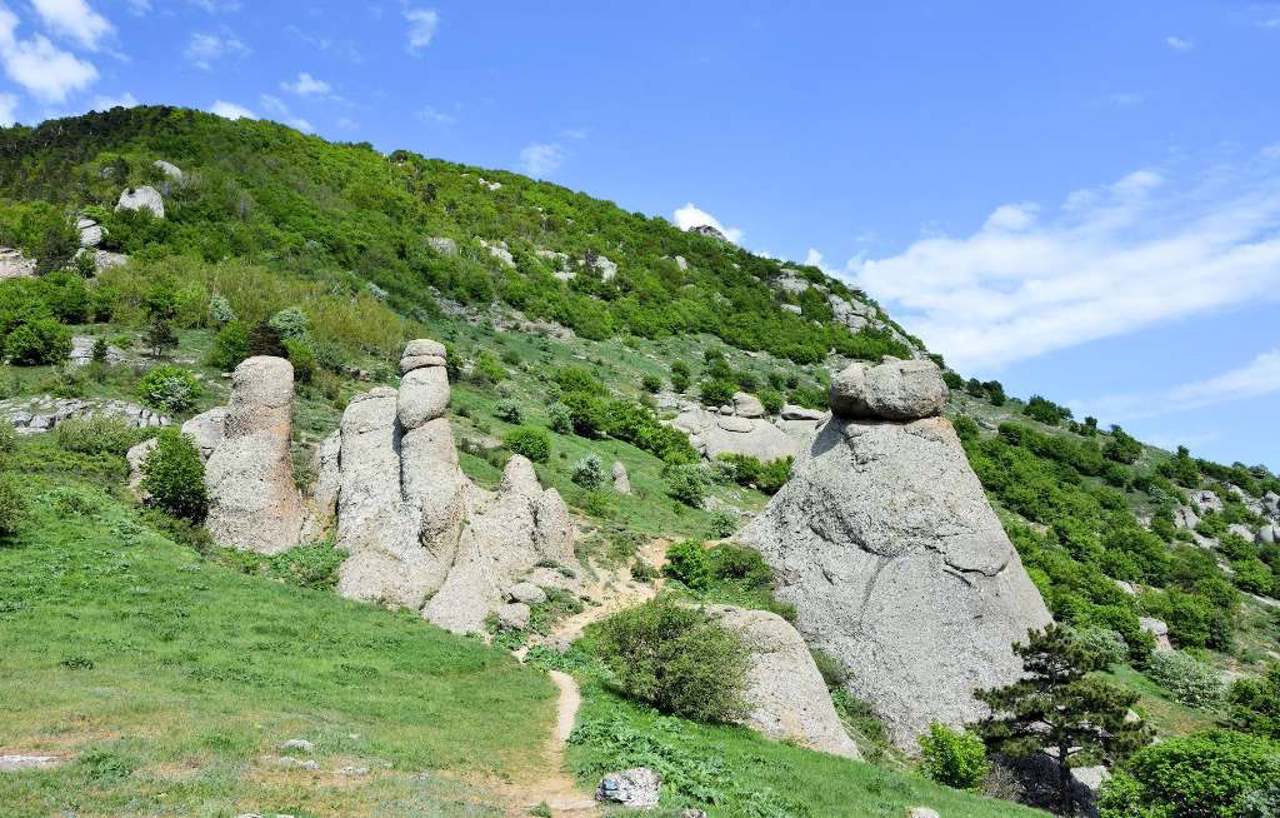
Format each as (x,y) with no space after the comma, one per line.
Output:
(514,616)
(793,412)
(253,502)
(607,269)
(746,405)
(443,245)
(1205,501)
(899,569)
(638,788)
(407,365)
(135,457)
(500,251)
(785,692)
(424,396)
(424,347)
(1241,530)
(1159,629)
(13,762)
(43,413)
(91,233)
(1184,517)
(714,435)
(1266,535)
(893,390)
(13,264)
(621,480)
(169,169)
(922,812)
(207,430)
(526,592)
(82,351)
(142,198)
(682,263)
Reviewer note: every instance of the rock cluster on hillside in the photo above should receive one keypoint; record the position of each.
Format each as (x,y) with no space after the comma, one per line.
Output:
(898,567)
(742,427)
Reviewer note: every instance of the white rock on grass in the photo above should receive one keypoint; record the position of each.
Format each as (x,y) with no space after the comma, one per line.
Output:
(142,198)
(637,788)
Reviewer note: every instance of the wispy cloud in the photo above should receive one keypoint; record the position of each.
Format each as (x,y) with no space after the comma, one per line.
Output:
(423,24)
(541,159)
(1179,43)
(217,6)
(691,216)
(106,103)
(433,116)
(1257,378)
(46,71)
(306,86)
(74,19)
(231,110)
(206,48)
(1124,99)
(1106,261)
(279,110)
(8,109)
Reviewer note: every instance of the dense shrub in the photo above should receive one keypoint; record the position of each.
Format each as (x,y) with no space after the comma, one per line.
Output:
(230,346)
(956,758)
(589,472)
(688,562)
(1105,646)
(534,444)
(1190,681)
(746,470)
(717,392)
(1046,411)
(559,418)
(173,476)
(688,483)
(13,506)
(38,342)
(735,563)
(676,659)
(97,434)
(1122,447)
(509,411)
(1255,704)
(290,323)
(169,388)
(651,384)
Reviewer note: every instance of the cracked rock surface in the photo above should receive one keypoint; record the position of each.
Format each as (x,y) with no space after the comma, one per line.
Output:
(898,567)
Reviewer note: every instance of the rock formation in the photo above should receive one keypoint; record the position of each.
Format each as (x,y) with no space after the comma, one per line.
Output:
(142,198)
(43,413)
(786,694)
(419,533)
(898,567)
(723,432)
(14,264)
(621,480)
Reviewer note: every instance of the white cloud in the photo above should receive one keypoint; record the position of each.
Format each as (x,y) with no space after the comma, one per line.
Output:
(277,108)
(8,110)
(1258,378)
(541,159)
(229,110)
(814,259)
(139,7)
(205,49)
(691,216)
(1108,261)
(45,70)
(74,19)
(106,103)
(1179,43)
(1012,217)
(306,85)
(435,117)
(217,6)
(422,27)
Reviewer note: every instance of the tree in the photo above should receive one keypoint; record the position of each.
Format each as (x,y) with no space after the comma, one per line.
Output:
(1059,709)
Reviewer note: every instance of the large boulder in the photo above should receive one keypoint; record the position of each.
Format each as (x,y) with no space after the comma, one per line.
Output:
(897,566)
(786,695)
(253,502)
(142,198)
(716,434)
(893,390)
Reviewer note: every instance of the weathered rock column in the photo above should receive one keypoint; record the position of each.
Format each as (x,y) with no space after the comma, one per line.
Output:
(253,502)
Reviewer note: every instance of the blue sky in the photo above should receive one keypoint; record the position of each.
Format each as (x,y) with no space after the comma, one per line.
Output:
(1082,199)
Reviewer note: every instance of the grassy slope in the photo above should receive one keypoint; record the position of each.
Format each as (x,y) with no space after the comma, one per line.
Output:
(171,676)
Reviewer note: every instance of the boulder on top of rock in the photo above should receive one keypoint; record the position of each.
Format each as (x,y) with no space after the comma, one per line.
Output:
(746,405)
(253,502)
(91,233)
(893,390)
(142,198)
(897,566)
(786,695)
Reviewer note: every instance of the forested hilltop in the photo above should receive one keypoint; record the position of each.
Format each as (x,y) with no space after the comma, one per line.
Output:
(661,381)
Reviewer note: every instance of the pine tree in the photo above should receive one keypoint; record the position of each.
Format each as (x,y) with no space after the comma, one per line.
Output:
(1058,709)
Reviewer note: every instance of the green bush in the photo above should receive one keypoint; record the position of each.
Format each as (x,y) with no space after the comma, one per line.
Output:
(560,419)
(97,434)
(589,472)
(39,342)
(534,444)
(230,346)
(772,400)
(1104,645)
(688,562)
(768,478)
(651,384)
(717,392)
(688,483)
(169,388)
(1255,704)
(290,323)
(676,659)
(509,411)
(956,758)
(735,563)
(1207,775)
(13,506)
(1190,681)
(173,476)
(303,357)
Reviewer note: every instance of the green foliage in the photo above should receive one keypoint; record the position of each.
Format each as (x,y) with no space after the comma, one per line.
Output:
(97,434)
(589,472)
(651,384)
(37,342)
(1122,447)
(1188,680)
(1046,411)
(736,563)
(230,346)
(1104,646)
(13,506)
(509,411)
(559,418)
(676,659)
(221,312)
(688,562)
(956,758)
(173,476)
(302,355)
(768,478)
(1255,704)
(688,483)
(169,388)
(290,323)
(717,392)
(1208,775)
(531,442)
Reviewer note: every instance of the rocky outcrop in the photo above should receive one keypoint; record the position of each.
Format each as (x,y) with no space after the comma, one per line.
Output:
(443,245)
(142,198)
(43,413)
(419,534)
(637,788)
(169,169)
(1159,631)
(898,567)
(13,264)
(786,695)
(253,502)
(500,251)
(91,233)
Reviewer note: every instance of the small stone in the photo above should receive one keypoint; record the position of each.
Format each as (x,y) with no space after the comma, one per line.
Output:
(291,763)
(19,761)
(621,480)
(526,592)
(514,616)
(922,812)
(298,744)
(637,788)
(354,771)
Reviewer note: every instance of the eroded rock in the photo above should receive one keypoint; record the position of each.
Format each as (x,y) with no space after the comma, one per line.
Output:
(893,390)
(142,198)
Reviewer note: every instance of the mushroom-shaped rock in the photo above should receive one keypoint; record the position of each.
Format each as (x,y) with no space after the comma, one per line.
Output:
(893,390)
(253,502)
(142,198)
(786,695)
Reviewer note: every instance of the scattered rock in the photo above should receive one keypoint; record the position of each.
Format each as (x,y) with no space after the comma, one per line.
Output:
(1242,531)
(1159,629)
(1266,535)
(690,812)
(607,269)
(43,413)
(709,231)
(1204,501)
(253,502)
(1185,517)
(621,480)
(794,309)
(291,763)
(142,198)
(526,592)
(443,245)
(500,251)
(792,282)
(922,812)
(19,761)
(898,568)
(682,263)
(893,390)
(746,405)
(637,788)
(13,264)
(298,744)
(82,351)
(353,771)
(1127,587)
(514,616)
(91,233)
(169,169)
(786,694)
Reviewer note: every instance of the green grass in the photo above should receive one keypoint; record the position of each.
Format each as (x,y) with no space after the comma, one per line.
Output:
(1168,717)
(732,772)
(166,678)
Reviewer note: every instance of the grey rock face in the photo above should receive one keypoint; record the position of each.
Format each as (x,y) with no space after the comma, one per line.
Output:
(1266,535)
(91,232)
(13,264)
(82,351)
(793,412)
(621,480)
(169,169)
(526,592)
(513,615)
(1160,630)
(785,692)
(638,788)
(43,413)
(1184,517)
(714,434)
(1204,501)
(893,390)
(142,198)
(253,502)
(500,251)
(607,269)
(443,245)
(899,569)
